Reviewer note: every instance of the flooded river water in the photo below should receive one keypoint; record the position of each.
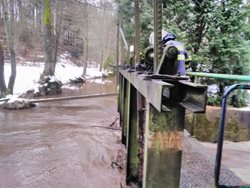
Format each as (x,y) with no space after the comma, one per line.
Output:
(62,144)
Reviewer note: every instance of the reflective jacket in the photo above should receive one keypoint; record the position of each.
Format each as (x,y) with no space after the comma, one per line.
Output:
(181,57)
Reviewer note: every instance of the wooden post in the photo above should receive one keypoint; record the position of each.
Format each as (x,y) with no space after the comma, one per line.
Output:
(163,147)
(120,97)
(132,139)
(126,110)
(141,109)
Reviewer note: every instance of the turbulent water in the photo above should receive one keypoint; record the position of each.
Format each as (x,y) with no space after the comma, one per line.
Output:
(66,144)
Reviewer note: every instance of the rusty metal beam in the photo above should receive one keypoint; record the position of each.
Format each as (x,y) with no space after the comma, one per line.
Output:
(126,111)
(137,31)
(166,98)
(163,147)
(157,32)
(152,90)
(141,112)
(193,97)
(121,99)
(132,139)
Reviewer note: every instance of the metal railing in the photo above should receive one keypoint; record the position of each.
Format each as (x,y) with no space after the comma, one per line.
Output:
(241,78)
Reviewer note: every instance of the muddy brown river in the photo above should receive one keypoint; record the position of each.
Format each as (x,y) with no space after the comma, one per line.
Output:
(66,144)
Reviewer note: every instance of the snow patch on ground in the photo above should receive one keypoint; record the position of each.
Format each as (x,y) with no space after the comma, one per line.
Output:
(100,81)
(29,73)
(12,98)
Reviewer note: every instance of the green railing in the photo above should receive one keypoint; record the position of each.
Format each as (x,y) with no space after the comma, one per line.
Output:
(241,78)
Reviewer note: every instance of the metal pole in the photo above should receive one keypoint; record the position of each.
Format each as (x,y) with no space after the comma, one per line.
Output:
(117,48)
(124,39)
(157,32)
(241,78)
(137,32)
(221,129)
(72,97)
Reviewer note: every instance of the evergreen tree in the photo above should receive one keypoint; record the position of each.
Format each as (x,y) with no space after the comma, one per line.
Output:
(216,33)
(226,37)
(126,14)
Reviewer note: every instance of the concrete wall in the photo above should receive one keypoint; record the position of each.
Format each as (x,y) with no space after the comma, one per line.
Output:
(205,126)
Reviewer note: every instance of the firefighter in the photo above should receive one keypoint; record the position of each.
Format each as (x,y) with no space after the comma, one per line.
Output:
(183,58)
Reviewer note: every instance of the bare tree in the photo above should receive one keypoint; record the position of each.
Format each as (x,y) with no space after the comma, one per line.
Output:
(85,36)
(49,68)
(58,23)
(2,80)
(9,24)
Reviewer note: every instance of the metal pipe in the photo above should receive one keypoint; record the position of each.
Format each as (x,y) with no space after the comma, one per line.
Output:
(137,32)
(242,78)
(157,33)
(123,38)
(72,97)
(221,128)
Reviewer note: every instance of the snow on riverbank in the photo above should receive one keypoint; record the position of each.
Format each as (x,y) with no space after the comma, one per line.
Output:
(28,74)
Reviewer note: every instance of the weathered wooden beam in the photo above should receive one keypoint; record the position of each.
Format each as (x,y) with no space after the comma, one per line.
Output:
(132,139)
(120,85)
(163,147)
(141,108)
(122,107)
(126,111)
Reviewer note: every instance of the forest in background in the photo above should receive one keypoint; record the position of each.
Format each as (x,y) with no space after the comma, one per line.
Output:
(41,30)
(216,33)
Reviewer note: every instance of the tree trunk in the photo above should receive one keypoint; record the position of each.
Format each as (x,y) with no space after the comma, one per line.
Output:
(102,37)
(58,22)
(86,42)
(101,60)
(48,42)
(85,63)
(2,80)
(10,40)
(20,11)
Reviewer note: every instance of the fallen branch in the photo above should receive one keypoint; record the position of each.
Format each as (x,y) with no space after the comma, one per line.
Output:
(112,128)
(111,125)
(4,100)
(116,165)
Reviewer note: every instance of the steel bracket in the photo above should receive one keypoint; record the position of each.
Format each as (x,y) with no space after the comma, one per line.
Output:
(151,89)
(191,96)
